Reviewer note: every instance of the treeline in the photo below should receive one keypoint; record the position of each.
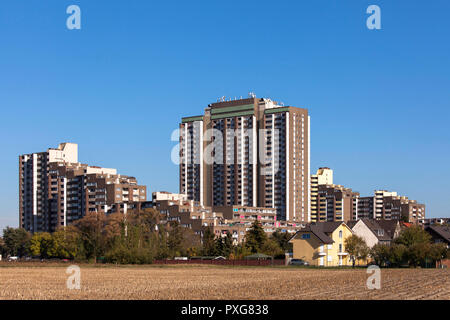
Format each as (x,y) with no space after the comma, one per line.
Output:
(135,239)
(412,247)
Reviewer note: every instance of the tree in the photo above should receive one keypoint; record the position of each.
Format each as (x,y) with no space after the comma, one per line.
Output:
(413,235)
(380,254)
(223,246)
(98,233)
(16,241)
(356,247)
(418,252)
(272,248)
(255,237)
(41,245)
(2,247)
(175,239)
(208,243)
(397,254)
(180,239)
(438,251)
(282,238)
(66,243)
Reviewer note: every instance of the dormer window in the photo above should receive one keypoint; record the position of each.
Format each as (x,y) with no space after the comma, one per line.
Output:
(381,233)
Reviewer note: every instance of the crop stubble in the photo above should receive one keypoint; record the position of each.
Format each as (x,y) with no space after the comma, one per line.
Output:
(214,282)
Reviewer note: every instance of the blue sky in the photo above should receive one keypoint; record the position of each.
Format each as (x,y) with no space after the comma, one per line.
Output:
(379,99)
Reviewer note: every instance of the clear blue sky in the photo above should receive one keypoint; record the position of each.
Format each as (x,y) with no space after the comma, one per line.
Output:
(379,99)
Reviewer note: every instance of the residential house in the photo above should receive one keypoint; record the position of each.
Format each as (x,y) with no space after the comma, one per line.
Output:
(439,234)
(375,231)
(322,244)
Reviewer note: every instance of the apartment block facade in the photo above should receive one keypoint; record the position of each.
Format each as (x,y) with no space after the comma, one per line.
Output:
(323,176)
(386,205)
(248,152)
(54,191)
(336,203)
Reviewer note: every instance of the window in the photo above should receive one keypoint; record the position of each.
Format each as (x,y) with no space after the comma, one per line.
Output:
(330,259)
(340,247)
(340,234)
(306,236)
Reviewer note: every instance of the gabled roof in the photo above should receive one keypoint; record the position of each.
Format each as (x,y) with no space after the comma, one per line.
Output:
(442,231)
(351,223)
(389,227)
(407,224)
(320,230)
(374,226)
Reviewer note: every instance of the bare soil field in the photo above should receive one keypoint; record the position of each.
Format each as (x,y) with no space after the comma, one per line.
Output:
(216,282)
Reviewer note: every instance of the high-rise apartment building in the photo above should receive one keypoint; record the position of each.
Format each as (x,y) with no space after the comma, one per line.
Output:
(365,208)
(379,201)
(386,205)
(248,152)
(402,208)
(33,184)
(323,176)
(336,203)
(55,190)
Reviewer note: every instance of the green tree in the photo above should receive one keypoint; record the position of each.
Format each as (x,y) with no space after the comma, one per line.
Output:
(380,254)
(438,251)
(175,239)
(418,252)
(208,243)
(397,254)
(413,235)
(223,246)
(255,237)
(98,232)
(2,247)
(41,245)
(282,238)
(272,248)
(16,241)
(66,243)
(356,248)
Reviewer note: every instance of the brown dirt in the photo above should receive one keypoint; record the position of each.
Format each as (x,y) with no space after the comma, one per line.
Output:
(225,283)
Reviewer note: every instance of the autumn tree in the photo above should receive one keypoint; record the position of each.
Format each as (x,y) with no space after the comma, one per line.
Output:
(97,233)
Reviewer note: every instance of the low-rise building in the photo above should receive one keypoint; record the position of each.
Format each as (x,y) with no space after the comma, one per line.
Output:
(439,234)
(375,231)
(322,244)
